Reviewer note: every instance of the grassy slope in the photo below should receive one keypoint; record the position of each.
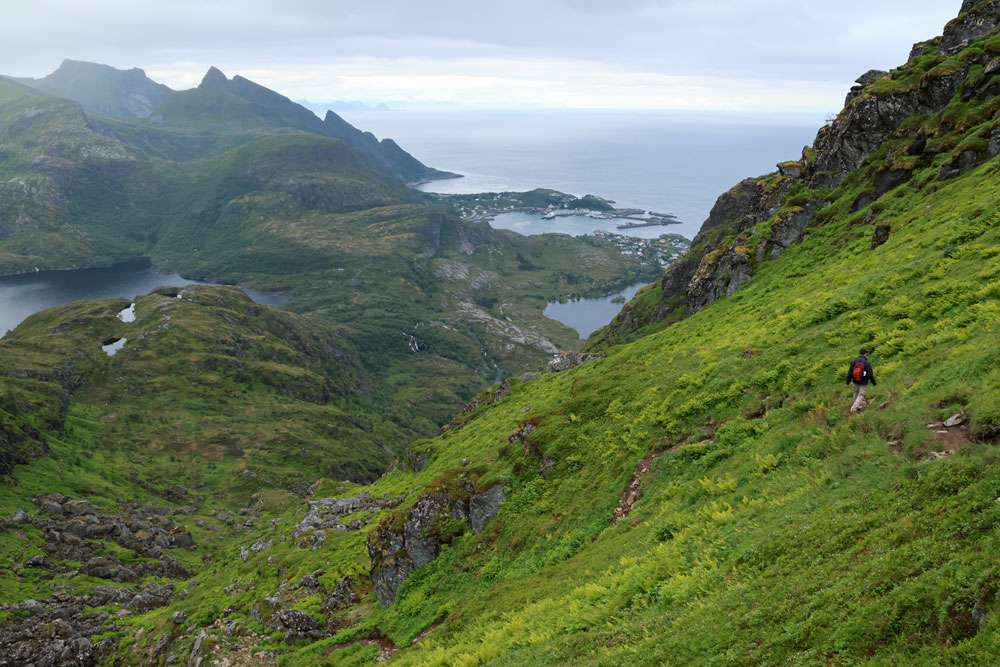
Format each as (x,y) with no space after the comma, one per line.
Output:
(775,529)
(781,529)
(208,375)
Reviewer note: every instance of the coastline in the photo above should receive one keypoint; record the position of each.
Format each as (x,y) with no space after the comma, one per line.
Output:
(445,176)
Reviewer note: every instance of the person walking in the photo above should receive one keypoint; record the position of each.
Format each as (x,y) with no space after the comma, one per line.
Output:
(860,373)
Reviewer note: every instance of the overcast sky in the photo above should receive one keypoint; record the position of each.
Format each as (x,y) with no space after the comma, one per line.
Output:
(653,54)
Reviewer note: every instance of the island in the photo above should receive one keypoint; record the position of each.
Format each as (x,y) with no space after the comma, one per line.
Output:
(550,204)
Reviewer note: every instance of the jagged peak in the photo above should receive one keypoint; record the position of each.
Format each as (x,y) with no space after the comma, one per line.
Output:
(213,76)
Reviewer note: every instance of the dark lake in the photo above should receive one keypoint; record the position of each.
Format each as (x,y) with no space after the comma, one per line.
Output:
(25,294)
(589,315)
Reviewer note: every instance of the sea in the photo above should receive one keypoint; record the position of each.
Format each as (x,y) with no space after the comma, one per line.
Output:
(666,162)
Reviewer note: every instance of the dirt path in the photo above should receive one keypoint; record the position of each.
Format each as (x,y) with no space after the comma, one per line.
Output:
(386,647)
(631,492)
(949,437)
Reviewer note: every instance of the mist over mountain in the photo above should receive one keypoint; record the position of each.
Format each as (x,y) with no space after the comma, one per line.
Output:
(103,89)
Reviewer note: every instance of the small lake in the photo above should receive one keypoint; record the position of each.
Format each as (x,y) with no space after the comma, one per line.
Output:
(530,224)
(589,315)
(25,294)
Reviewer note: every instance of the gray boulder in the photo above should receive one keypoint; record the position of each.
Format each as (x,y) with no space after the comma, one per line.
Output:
(484,506)
(423,543)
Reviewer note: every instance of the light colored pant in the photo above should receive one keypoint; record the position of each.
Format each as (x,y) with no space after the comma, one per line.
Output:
(859,397)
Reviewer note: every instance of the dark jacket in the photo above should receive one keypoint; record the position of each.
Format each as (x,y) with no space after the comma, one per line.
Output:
(869,373)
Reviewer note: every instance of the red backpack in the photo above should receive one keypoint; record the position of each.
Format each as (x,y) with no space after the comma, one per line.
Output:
(858,372)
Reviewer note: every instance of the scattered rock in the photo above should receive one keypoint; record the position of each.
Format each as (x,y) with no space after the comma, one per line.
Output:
(342,595)
(195,660)
(312,580)
(179,617)
(35,561)
(20,517)
(162,643)
(955,420)
(152,597)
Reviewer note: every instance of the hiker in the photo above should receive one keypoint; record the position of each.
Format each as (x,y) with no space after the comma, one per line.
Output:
(860,373)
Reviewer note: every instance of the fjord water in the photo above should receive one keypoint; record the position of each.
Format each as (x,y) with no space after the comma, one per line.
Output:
(24,294)
(589,315)
(668,162)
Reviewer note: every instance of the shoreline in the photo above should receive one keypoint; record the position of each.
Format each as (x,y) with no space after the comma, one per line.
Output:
(446,176)
(658,222)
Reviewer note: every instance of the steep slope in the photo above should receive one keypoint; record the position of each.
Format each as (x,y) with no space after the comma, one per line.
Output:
(698,495)
(103,89)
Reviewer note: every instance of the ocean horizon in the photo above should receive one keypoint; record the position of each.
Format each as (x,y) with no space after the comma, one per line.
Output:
(668,162)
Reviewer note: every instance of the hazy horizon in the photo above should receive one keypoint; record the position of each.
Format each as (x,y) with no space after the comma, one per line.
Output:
(638,54)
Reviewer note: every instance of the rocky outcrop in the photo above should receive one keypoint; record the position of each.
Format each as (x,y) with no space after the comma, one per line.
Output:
(880,235)
(326,513)
(402,543)
(863,82)
(977,20)
(75,533)
(564,361)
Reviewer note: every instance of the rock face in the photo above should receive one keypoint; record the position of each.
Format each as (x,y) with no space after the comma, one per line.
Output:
(484,506)
(401,544)
(976,20)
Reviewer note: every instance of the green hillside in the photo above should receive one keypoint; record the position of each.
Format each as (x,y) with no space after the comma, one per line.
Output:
(696,492)
(434,306)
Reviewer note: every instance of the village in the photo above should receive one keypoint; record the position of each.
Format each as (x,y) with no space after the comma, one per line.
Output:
(663,250)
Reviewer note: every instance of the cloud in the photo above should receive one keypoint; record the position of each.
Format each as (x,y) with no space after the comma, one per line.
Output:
(553,52)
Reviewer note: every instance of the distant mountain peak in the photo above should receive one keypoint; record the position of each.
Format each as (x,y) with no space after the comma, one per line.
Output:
(103,88)
(213,76)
